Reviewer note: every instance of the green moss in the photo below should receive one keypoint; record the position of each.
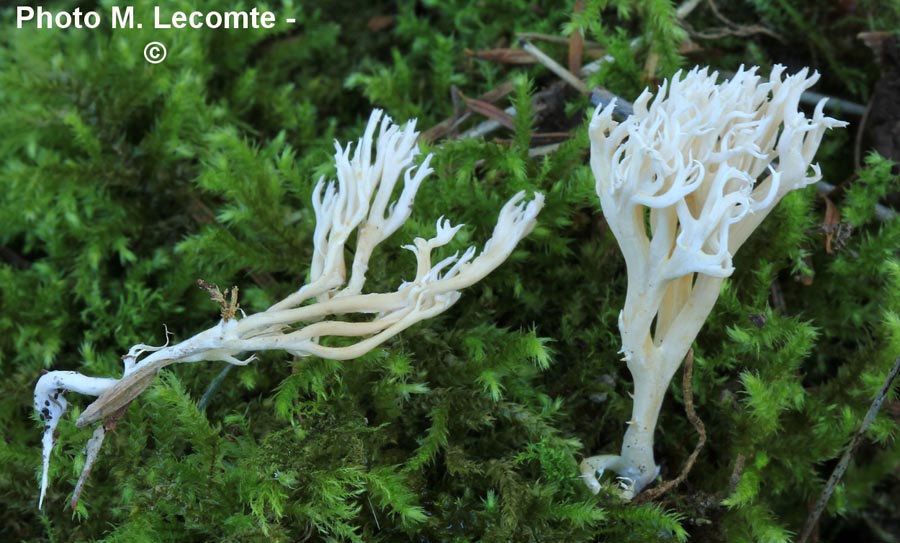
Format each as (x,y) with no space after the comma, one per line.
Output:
(123,183)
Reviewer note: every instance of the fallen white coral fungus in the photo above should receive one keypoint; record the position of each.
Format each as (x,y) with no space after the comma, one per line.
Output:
(358,201)
(683,182)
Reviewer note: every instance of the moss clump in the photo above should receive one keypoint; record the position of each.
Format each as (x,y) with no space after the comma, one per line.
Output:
(124,182)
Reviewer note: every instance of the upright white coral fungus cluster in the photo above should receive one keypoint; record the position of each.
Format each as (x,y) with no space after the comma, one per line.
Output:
(683,182)
(360,201)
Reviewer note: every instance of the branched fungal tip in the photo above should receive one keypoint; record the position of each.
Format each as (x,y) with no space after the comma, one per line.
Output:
(701,163)
(360,200)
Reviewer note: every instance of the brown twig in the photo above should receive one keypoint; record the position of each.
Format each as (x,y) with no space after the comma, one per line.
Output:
(490,111)
(860,135)
(554,66)
(576,43)
(502,55)
(776,297)
(591,47)
(733,29)
(545,100)
(740,463)
(836,475)
(650,66)
(379,23)
(447,126)
(698,425)
(686,8)
(543,150)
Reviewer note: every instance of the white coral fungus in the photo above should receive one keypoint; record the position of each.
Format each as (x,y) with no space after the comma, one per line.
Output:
(683,182)
(359,200)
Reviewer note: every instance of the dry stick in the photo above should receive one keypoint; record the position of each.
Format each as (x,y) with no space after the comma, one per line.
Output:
(487,127)
(554,66)
(602,97)
(686,8)
(502,55)
(447,126)
(739,462)
(698,425)
(543,150)
(839,470)
(576,42)
(486,109)
(732,28)
(860,134)
(834,104)
(683,10)
(557,40)
(650,66)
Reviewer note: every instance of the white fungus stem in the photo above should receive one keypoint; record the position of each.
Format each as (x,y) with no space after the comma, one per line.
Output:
(683,182)
(360,199)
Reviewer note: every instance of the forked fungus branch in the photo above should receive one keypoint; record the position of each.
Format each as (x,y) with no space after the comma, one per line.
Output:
(359,201)
(683,182)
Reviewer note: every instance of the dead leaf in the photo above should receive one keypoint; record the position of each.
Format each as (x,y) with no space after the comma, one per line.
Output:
(576,43)
(490,111)
(380,22)
(120,395)
(447,126)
